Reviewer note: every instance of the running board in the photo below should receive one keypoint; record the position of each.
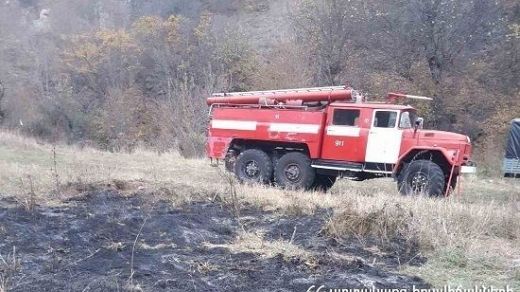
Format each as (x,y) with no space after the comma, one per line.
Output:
(333,165)
(346,166)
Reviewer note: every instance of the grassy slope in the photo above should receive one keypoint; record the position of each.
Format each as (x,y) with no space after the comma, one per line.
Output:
(468,239)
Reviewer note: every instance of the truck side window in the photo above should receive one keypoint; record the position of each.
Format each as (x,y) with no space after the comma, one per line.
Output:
(346,117)
(384,119)
(406,122)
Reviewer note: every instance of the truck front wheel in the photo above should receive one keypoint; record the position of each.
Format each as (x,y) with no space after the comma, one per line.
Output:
(293,171)
(422,177)
(253,166)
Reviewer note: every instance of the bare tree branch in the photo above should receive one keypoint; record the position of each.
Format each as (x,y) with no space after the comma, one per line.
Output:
(2,95)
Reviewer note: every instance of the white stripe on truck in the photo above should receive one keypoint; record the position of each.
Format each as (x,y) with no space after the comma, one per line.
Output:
(294,128)
(234,125)
(273,127)
(343,131)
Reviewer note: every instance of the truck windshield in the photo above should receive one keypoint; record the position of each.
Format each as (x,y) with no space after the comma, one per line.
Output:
(407,120)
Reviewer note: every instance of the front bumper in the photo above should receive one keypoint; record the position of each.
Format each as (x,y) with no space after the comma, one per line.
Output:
(470,168)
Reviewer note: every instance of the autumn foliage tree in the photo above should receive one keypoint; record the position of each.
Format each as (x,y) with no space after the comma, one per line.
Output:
(120,74)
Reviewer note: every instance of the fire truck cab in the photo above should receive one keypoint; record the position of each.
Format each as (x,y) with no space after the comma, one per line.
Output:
(306,138)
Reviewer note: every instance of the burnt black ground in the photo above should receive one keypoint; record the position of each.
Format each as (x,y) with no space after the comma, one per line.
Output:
(86,245)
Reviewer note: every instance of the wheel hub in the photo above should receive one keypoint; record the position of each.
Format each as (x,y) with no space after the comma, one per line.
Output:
(419,182)
(252,169)
(292,172)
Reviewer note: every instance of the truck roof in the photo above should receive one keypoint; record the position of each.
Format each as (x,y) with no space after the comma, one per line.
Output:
(373,105)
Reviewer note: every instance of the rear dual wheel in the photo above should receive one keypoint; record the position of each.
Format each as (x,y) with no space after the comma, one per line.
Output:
(293,171)
(254,166)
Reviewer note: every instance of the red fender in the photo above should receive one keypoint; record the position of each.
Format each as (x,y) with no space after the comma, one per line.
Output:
(450,155)
(217,147)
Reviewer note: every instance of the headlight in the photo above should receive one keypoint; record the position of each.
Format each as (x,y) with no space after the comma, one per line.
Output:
(453,153)
(469,140)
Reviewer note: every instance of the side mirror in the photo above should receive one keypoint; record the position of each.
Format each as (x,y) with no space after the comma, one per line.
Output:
(419,123)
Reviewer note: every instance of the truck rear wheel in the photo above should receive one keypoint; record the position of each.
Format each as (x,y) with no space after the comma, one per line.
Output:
(323,182)
(422,177)
(293,171)
(229,160)
(253,166)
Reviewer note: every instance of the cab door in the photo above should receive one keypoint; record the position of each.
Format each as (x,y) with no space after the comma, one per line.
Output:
(343,138)
(384,138)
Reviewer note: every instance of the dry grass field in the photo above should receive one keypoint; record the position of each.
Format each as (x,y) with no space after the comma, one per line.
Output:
(471,238)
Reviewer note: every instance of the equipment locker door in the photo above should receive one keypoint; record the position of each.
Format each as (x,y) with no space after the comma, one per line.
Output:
(384,138)
(343,138)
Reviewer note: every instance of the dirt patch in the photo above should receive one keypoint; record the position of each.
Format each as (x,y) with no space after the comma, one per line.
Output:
(86,245)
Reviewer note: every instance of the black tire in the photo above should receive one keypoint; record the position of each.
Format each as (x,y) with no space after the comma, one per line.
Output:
(323,182)
(229,161)
(229,165)
(453,184)
(422,177)
(254,166)
(274,159)
(294,171)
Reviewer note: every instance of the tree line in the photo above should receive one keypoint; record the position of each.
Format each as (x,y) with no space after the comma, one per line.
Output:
(118,74)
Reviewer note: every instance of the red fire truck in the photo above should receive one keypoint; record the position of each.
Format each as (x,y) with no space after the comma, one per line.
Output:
(305,138)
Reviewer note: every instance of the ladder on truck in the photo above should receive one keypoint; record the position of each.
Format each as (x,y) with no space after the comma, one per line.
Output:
(355,95)
(278,91)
